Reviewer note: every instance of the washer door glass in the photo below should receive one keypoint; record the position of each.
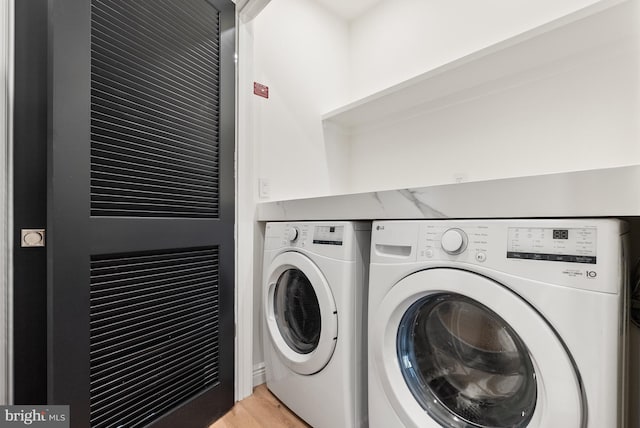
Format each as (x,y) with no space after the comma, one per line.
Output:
(464,364)
(297,311)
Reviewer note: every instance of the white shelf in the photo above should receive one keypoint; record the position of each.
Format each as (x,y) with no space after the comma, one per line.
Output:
(571,41)
(608,192)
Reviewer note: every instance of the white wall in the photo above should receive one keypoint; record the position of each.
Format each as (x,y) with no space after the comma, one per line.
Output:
(301,52)
(399,39)
(580,113)
(584,117)
(314,61)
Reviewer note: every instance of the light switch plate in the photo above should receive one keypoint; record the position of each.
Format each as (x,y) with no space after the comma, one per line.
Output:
(264,188)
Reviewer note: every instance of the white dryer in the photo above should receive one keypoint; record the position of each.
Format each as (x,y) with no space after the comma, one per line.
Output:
(497,323)
(315,277)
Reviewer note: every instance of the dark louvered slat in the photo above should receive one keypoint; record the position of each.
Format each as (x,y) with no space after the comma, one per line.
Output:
(182,22)
(154,109)
(146,378)
(122,108)
(166,312)
(138,129)
(115,277)
(156,211)
(110,144)
(189,46)
(113,356)
(136,286)
(114,383)
(130,78)
(126,184)
(155,176)
(129,374)
(112,157)
(120,198)
(179,257)
(123,322)
(153,333)
(140,351)
(137,332)
(105,163)
(122,306)
(188,55)
(154,285)
(152,323)
(141,376)
(113,365)
(127,111)
(112,96)
(116,50)
(105,132)
(183,386)
(107,87)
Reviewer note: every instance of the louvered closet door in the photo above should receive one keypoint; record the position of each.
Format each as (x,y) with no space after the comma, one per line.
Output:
(141,211)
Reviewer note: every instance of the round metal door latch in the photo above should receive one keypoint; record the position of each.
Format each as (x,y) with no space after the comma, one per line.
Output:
(32,237)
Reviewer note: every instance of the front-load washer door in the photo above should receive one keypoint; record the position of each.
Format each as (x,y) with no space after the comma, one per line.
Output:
(456,349)
(301,313)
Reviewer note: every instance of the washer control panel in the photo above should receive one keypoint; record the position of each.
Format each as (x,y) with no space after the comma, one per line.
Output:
(472,243)
(439,240)
(587,254)
(574,245)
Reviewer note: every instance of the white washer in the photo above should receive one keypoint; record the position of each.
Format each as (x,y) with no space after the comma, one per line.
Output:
(498,323)
(314,296)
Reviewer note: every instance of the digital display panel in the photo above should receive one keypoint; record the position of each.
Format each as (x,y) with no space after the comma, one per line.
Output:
(560,234)
(573,245)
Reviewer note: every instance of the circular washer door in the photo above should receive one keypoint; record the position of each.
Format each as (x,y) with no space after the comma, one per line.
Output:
(456,349)
(300,312)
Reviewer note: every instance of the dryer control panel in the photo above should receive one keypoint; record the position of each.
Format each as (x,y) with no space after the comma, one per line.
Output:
(328,235)
(337,239)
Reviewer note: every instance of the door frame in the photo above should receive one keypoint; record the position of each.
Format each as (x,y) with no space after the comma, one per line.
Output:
(6,197)
(249,232)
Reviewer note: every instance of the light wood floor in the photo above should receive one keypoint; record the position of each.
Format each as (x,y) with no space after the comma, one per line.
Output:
(260,410)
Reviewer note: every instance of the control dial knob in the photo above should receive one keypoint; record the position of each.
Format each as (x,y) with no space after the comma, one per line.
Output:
(454,241)
(292,234)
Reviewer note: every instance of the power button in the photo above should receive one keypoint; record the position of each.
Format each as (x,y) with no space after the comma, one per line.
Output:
(481,257)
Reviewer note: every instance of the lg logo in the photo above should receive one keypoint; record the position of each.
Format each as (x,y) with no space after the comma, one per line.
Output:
(592,274)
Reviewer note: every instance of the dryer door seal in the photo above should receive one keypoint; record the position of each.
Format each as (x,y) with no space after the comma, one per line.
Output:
(300,313)
(558,393)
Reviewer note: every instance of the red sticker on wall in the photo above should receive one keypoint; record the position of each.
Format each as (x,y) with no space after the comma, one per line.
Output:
(261,90)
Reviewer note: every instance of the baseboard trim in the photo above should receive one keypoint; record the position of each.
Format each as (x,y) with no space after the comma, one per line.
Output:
(259,374)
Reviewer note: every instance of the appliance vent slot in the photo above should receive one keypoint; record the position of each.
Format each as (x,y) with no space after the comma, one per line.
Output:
(155,74)
(154,333)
